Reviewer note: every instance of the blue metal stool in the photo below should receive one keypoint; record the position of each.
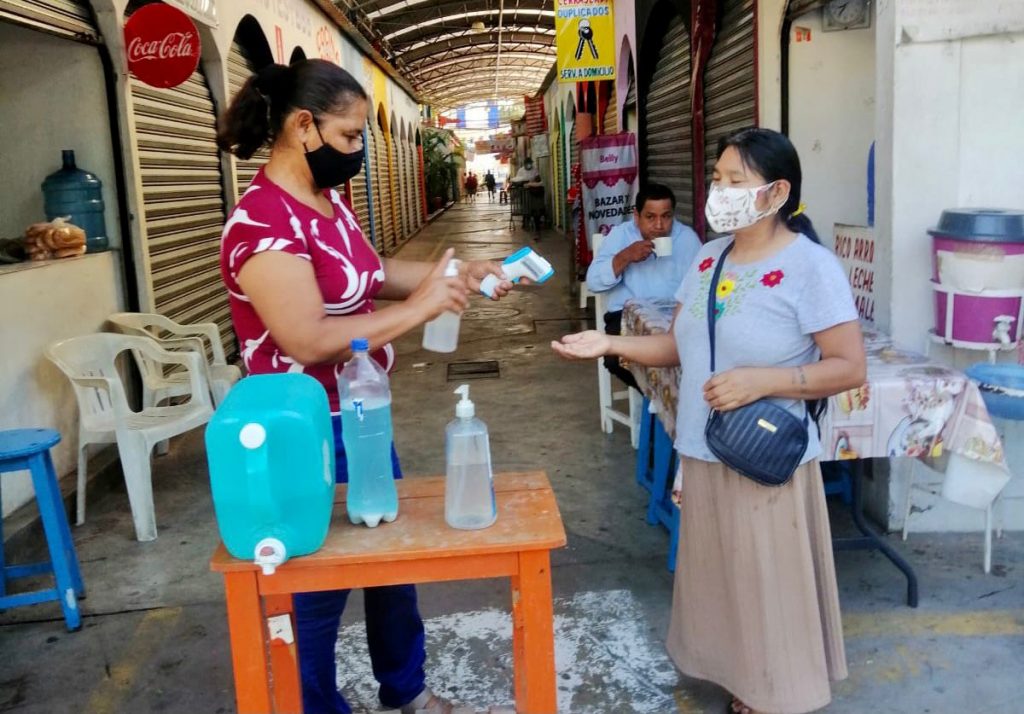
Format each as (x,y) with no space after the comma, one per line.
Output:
(29,450)
(645,447)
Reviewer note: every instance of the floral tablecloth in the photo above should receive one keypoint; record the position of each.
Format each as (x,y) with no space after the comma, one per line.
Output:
(909,407)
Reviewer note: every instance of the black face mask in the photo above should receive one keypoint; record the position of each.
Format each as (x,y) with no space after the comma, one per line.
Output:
(331,167)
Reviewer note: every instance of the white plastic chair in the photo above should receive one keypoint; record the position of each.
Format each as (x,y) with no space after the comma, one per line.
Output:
(157,384)
(607,398)
(90,362)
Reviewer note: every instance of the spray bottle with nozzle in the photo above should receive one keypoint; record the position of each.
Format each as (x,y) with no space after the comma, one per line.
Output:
(442,333)
(469,485)
(524,263)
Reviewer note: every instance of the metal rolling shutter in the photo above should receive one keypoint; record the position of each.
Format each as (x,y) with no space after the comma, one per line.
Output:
(360,199)
(611,114)
(403,209)
(629,107)
(240,67)
(420,188)
(667,132)
(382,189)
(730,85)
(183,202)
(373,166)
(394,189)
(65,18)
(411,193)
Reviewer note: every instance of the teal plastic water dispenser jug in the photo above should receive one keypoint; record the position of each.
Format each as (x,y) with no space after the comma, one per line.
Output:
(270,449)
(78,194)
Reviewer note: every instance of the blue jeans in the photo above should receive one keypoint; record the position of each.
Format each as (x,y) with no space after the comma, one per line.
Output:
(394,633)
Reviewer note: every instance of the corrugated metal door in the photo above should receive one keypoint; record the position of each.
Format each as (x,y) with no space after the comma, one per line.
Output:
(611,114)
(556,182)
(183,201)
(373,156)
(391,196)
(730,84)
(65,18)
(667,141)
(410,186)
(629,107)
(240,68)
(420,188)
(384,189)
(403,180)
(360,200)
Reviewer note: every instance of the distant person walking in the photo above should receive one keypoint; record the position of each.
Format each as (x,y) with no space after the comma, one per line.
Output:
(491,184)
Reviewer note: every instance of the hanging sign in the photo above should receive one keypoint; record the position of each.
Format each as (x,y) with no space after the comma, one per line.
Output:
(585,34)
(162,45)
(609,172)
(855,248)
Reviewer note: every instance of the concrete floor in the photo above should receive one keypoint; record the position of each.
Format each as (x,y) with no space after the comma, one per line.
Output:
(155,638)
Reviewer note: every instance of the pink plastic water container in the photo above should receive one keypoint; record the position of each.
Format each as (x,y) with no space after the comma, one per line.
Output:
(978,271)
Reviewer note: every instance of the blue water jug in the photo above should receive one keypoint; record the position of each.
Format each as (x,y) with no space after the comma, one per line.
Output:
(270,449)
(367,434)
(79,194)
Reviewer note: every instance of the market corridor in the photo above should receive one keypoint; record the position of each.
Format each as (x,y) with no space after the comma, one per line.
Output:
(155,638)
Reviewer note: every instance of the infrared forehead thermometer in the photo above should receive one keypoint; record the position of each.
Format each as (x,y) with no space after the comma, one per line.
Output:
(524,263)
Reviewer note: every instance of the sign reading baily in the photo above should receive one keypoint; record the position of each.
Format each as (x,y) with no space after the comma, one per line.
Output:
(163,45)
(855,248)
(609,181)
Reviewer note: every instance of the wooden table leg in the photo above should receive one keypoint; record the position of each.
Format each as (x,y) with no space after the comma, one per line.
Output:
(248,643)
(284,654)
(533,638)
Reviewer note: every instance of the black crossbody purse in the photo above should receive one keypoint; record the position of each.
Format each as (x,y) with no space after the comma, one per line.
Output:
(762,440)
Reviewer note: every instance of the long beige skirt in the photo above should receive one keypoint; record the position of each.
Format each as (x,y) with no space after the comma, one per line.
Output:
(756,607)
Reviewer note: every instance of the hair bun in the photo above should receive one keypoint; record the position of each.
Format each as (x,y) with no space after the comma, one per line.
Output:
(272,78)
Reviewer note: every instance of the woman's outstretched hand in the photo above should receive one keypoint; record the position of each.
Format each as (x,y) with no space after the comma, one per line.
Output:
(583,345)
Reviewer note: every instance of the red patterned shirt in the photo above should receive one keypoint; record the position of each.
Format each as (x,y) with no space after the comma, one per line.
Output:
(348,271)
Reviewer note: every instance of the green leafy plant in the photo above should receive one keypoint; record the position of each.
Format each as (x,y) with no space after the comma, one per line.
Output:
(440,166)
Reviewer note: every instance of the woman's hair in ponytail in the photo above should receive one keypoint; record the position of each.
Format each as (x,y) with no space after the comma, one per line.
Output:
(257,114)
(774,157)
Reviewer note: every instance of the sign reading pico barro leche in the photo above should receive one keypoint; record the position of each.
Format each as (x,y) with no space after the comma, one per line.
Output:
(162,44)
(855,248)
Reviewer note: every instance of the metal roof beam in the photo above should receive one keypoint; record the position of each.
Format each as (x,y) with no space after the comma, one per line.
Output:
(510,41)
(487,35)
(453,78)
(517,59)
(410,24)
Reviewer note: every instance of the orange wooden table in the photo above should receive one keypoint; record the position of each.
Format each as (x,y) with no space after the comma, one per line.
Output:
(262,623)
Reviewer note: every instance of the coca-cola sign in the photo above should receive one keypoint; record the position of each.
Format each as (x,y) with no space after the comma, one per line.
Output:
(162,45)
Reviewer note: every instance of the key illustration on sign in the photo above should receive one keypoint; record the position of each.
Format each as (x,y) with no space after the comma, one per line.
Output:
(586,33)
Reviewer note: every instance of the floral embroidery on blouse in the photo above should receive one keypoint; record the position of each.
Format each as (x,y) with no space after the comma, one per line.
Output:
(732,288)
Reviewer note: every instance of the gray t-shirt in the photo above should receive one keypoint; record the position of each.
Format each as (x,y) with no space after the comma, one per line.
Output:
(768,313)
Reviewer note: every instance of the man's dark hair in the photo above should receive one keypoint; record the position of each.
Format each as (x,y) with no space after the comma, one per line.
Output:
(654,192)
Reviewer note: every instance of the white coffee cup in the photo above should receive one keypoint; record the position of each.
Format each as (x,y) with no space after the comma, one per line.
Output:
(663,246)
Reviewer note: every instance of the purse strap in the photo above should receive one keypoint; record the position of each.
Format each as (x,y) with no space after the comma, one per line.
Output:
(712,303)
(712,292)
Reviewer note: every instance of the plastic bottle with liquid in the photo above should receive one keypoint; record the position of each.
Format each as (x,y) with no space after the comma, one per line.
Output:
(367,435)
(469,501)
(442,333)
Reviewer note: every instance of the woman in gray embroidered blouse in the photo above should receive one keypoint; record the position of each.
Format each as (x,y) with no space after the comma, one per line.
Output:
(756,606)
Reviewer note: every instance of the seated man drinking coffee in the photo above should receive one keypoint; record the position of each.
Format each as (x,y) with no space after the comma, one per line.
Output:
(645,258)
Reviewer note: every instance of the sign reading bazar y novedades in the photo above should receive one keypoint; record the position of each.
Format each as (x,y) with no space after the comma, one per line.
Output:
(585,32)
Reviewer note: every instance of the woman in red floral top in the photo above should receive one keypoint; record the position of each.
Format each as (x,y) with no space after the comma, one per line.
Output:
(302,279)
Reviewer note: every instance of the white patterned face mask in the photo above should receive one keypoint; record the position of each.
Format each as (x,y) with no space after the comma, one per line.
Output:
(730,209)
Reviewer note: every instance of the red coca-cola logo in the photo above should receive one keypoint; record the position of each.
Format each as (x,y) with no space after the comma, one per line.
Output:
(163,45)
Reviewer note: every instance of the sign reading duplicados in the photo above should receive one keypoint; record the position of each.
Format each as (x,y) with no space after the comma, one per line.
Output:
(585,35)
(162,44)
